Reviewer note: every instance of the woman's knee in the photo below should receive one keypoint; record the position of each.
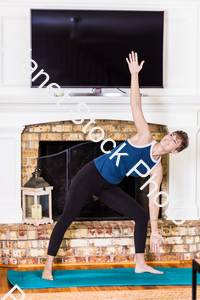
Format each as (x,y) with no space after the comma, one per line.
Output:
(143,217)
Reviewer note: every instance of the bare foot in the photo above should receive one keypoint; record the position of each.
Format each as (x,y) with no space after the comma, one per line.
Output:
(47,275)
(145,268)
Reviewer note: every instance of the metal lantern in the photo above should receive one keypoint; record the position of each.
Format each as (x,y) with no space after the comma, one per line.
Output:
(37,203)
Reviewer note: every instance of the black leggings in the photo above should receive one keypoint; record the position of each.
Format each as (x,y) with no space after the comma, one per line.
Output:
(86,183)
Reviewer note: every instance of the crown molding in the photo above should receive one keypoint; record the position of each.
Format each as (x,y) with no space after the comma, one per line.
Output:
(91,4)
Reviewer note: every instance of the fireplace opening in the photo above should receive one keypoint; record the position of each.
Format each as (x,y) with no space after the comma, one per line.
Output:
(60,162)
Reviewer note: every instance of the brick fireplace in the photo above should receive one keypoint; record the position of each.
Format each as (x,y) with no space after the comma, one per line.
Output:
(68,131)
(91,241)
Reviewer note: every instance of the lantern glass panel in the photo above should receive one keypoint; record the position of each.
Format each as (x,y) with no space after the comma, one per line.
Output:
(29,201)
(44,201)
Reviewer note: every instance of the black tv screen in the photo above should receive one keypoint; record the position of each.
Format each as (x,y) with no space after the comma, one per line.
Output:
(88,48)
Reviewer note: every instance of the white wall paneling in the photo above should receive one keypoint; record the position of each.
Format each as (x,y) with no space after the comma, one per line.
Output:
(182,180)
(10,168)
(15,41)
(198,54)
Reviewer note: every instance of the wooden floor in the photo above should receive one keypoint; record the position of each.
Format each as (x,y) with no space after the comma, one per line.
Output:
(5,285)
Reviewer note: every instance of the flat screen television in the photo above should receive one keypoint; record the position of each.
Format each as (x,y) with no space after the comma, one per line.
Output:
(88,48)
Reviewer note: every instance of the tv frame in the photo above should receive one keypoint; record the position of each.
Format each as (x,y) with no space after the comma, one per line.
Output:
(98,88)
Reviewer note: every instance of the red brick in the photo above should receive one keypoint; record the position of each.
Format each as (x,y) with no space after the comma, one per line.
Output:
(175,230)
(132,230)
(111,250)
(22,234)
(23,244)
(12,261)
(19,253)
(125,231)
(28,261)
(37,252)
(183,229)
(192,230)
(99,242)
(187,256)
(31,234)
(91,232)
(40,234)
(165,249)
(74,259)
(48,233)
(129,250)
(116,232)
(151,257)
(88,251)
(127,128)
(108,231)
(74,233)
(66,252)
(99,259)
(44,244)
(192,248)
(189,239)
(123,242)
(13,235)
(78,243)
(179,248)
(2,261)
(22,227)
(165,257)
(100,232)
(39,128)
(57,260)
(197,255)
(8,244)
(5,253)
(174,240)
(123,258)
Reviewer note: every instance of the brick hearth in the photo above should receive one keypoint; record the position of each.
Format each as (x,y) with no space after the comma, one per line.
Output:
(99,242)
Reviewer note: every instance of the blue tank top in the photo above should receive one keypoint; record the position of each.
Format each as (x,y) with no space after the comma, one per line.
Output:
(117,164)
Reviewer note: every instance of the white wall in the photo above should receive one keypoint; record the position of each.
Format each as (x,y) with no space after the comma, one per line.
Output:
(175,105)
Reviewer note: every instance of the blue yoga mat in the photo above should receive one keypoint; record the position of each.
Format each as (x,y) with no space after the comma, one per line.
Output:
(101,277)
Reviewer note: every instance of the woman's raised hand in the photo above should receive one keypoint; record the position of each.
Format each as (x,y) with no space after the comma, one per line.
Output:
(133,65)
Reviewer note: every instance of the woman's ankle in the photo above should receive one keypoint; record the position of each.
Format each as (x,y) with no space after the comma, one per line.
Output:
(49,262)
(140,259)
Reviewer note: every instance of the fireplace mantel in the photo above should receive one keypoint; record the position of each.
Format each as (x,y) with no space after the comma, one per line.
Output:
(170,111)
(175,112)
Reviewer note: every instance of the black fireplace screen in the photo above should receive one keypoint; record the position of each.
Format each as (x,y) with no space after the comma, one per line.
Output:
(59,167)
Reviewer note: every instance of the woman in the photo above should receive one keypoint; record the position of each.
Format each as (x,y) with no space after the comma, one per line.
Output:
(101,176)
